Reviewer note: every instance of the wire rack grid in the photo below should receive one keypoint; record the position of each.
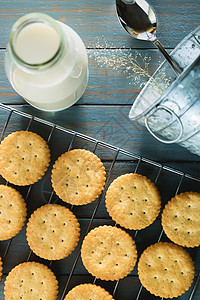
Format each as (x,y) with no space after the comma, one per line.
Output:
(70,271)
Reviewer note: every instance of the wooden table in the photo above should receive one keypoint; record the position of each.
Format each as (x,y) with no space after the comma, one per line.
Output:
(102,113)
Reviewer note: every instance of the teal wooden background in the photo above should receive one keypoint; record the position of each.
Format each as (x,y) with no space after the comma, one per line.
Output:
(103,110)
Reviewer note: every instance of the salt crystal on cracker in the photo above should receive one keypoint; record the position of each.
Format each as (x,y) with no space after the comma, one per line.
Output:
(166,270)
(181,219)
(78,177)
(133,201)
(53,231)
(24,157)
(12,212)
(108,253)
(31,280)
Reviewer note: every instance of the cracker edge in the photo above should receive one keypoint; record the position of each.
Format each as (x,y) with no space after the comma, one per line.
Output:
(1,268)
(172,246)
(131,267)
(98,290)
(121,223)
(12,276)
(17,229)
(31,245)
(88,200)
(48,156)
(163,222)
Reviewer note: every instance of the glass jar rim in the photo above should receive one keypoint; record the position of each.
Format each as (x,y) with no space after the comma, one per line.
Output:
(30,19)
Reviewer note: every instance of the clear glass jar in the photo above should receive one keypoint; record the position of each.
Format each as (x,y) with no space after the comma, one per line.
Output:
(46,62)
(169,106)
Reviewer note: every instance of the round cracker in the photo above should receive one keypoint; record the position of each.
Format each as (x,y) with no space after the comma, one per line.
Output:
(53,232)
(166,270)
(78,177)
(31,280)
(88,291)
(108,253)
(133,201)
(24,157)
(12,212)
(181,221)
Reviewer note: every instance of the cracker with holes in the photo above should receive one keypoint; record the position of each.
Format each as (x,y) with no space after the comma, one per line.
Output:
(181,219)
(12,212)
(108,253)
(133,201)
(88,291)
(24,157)
(53,232)
(78,177)
(166,270)
(31,280)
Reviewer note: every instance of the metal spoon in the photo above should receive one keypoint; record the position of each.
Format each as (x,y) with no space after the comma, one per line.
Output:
(139,20)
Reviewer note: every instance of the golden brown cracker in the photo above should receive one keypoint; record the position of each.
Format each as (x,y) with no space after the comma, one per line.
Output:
(31,281)
(88,291)
(53,232)
(78,177)
(166,270)
(181,219)
(108,253)
(12,212)
(24,157)
(133,201)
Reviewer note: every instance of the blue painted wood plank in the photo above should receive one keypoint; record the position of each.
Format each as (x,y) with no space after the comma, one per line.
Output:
(112,76)
(112,125)
(97,20)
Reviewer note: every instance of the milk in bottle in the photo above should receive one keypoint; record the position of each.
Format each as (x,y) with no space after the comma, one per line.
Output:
(46,62)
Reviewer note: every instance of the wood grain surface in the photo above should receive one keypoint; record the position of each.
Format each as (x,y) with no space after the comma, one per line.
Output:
(94,20)
(106,85)
(102,113)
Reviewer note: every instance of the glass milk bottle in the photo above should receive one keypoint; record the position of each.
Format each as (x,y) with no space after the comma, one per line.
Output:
(46,62)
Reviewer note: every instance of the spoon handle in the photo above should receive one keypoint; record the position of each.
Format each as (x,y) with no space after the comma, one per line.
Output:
(174,65)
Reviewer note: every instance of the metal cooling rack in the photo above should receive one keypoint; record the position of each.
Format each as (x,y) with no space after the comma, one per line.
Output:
(157,168)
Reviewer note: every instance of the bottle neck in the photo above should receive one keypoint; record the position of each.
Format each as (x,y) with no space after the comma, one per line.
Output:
(36,42)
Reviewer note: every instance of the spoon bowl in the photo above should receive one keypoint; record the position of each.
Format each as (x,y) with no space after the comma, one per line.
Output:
(139,20)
